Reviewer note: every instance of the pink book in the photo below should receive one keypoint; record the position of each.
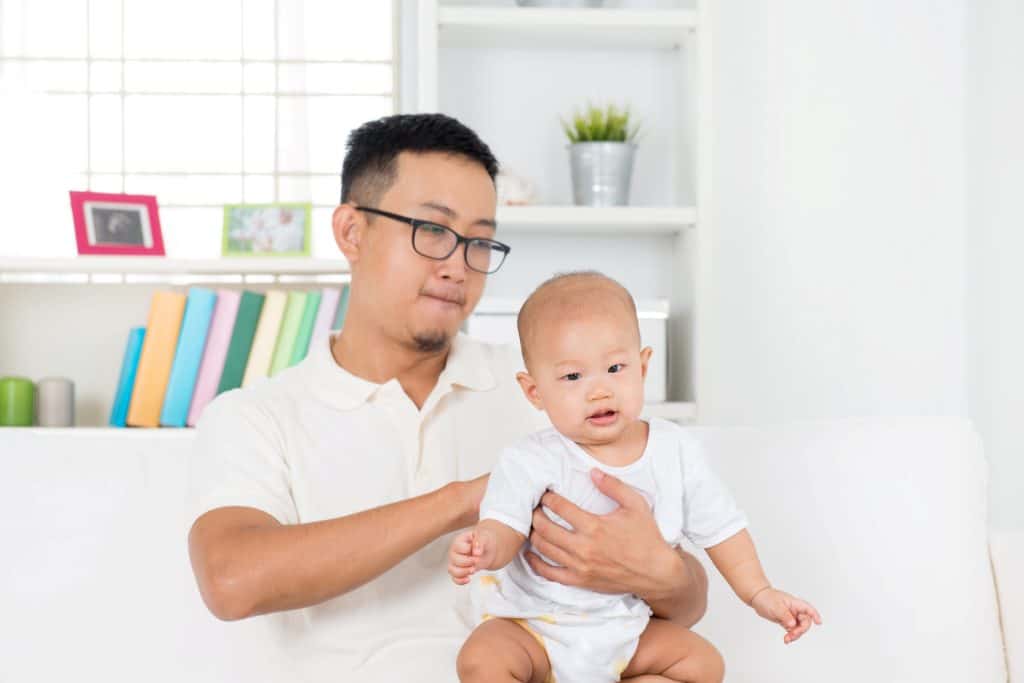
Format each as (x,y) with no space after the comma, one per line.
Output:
(325,315)
(221,326)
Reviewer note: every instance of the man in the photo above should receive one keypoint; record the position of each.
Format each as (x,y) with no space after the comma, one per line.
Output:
(327,493)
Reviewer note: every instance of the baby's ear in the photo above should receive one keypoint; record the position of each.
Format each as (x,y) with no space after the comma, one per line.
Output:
(529,388)
(645,359)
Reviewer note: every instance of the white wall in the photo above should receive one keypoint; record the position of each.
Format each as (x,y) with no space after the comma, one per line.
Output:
(995,228)
(854,247)
(839,273)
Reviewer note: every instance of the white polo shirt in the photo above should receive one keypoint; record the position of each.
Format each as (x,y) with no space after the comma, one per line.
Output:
(316,442)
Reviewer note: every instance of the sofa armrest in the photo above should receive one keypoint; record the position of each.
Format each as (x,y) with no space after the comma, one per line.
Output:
(1007,552)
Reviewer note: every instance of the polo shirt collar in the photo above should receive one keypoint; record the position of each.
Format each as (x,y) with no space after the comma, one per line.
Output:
(466,367)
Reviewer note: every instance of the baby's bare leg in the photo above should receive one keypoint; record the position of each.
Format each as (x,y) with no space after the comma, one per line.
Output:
(500,650)
(670,652)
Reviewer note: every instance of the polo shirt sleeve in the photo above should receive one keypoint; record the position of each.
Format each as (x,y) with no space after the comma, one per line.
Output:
(710,514)
(239,460)
(515,487)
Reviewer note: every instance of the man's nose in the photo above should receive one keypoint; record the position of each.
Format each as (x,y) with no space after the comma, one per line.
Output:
(454,267)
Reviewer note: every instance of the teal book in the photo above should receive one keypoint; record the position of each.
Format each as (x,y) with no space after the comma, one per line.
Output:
(195,326)
(126,382)
(339,317)
(301,347)
(249,310)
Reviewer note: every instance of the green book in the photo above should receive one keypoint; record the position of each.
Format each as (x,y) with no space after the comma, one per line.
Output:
(293,313)
(339,318)
(306,327)
(249,308)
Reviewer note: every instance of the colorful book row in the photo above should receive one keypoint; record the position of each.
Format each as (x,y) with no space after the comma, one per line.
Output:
(197,346)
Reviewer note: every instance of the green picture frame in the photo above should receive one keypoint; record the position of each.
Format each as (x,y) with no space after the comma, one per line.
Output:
(277,230)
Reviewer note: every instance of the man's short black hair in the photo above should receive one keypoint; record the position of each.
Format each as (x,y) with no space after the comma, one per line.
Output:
(373,148)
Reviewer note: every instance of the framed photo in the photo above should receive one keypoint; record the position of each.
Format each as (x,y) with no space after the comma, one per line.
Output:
(116,224)
(267,229)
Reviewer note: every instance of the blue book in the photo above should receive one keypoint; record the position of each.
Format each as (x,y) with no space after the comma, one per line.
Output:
(126,382)
(339,318)
(189,354)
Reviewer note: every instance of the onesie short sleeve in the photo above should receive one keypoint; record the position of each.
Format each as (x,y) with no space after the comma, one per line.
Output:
(710,514)
(523,473)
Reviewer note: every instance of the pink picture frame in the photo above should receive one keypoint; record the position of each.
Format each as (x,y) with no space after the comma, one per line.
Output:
(116,224)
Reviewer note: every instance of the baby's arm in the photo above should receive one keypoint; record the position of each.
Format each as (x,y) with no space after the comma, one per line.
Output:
(736,559)
(489,545)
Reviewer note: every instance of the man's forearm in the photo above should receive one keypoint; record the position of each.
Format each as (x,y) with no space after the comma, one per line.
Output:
(271,568)
(681,594)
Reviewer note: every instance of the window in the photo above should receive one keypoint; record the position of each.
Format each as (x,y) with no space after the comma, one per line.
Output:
(199,103)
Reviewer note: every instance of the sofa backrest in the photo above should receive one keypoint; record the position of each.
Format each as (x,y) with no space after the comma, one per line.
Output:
(882,525)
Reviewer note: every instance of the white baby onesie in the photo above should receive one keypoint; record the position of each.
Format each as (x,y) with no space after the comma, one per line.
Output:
(592,636)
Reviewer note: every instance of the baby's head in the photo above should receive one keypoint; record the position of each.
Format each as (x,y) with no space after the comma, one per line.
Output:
(584,366)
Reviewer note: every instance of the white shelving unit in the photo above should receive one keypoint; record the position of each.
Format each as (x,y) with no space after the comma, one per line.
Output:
(568,43)
(70,316)
(524,27)
(684,412)
(145,269)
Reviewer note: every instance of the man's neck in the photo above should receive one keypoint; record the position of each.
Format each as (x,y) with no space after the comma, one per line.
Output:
(378,359)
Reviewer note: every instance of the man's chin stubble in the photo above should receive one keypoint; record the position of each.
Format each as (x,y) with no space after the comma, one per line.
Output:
(430,342)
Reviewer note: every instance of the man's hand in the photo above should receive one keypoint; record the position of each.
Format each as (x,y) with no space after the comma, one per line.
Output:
(793,614)
(469,495)
(621,552)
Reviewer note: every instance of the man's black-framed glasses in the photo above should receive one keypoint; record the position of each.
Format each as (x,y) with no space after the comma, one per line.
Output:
(439,242)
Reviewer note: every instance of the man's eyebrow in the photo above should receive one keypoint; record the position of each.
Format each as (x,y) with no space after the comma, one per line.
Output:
(447,211)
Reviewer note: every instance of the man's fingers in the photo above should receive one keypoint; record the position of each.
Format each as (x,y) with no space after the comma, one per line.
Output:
(553,533)
(577,517)
(558,574)
(623,494)
(551,551)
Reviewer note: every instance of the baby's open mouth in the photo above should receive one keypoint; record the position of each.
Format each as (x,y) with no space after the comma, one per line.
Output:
(603,417)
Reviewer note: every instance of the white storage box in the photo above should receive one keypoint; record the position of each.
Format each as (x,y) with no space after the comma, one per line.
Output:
(495,321)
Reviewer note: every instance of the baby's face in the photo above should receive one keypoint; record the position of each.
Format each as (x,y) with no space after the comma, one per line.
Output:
(587,372)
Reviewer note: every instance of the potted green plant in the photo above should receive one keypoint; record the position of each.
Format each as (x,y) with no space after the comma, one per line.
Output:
(601,148)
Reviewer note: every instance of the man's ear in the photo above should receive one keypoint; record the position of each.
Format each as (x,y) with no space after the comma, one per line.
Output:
(349,229)
(645,358)
(529,388)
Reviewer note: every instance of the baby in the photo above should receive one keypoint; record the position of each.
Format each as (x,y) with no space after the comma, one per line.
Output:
(581,344)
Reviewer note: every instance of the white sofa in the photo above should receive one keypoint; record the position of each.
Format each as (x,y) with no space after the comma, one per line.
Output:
(880,522)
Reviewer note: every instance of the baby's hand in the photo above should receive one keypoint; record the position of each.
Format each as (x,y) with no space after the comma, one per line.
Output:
(471,550)
(793,614)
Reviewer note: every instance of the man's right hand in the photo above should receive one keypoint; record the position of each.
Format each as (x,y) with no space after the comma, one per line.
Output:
(244,559)
(469,495)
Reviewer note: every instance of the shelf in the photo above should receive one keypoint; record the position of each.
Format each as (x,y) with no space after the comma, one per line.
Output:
(104,432)
(595,220)
(156,269)
(527,27)
(670,411)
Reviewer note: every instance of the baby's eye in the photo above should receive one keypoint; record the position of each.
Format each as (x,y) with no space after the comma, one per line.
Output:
(572,376)
(617,367)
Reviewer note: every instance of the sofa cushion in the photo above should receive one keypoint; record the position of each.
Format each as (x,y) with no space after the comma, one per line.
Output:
(881,524)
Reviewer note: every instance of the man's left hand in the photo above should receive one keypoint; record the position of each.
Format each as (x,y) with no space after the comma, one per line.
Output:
(621,552)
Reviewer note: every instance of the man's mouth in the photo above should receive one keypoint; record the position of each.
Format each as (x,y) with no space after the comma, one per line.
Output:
(603,417)
(451,295)
(444,299)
